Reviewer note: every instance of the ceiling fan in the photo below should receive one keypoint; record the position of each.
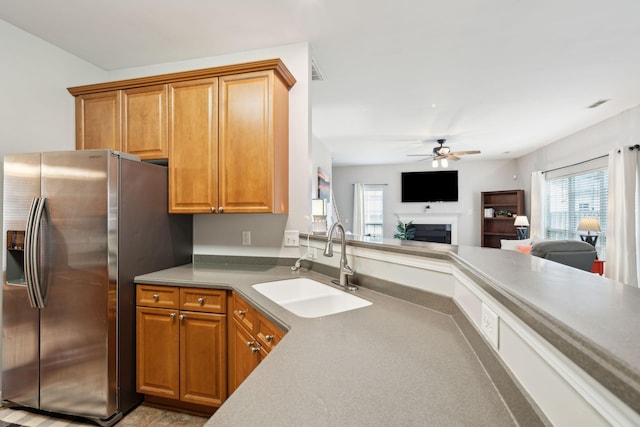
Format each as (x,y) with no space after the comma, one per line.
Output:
(444,153)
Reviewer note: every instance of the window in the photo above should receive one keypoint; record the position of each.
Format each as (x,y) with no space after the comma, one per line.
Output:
(373,208)
(572,197)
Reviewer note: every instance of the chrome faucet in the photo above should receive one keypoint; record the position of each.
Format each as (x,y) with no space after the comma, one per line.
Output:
(345,270)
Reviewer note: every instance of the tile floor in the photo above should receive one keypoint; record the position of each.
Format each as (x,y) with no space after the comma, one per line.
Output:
(142,416)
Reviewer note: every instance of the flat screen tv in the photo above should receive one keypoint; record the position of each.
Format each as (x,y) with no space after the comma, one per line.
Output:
(437,186)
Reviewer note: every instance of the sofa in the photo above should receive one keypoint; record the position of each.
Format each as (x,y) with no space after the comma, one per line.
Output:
(574,253)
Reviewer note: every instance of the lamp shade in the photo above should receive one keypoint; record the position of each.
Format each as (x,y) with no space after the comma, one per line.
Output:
(521,221)
(589,224)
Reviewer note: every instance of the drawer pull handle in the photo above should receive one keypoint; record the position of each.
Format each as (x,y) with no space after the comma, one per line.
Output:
(156,297)
(268,338)
(241,312)
(201,300)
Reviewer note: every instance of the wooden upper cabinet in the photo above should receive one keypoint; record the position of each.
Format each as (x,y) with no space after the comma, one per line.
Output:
(144,122)
(224,131)
(253,141)
(193,146)
(98,121)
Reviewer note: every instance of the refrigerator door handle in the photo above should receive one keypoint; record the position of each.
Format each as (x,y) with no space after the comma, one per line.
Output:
(40,300)
(28,250)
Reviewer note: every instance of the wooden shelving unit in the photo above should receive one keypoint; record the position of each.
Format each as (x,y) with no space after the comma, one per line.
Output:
(495,228)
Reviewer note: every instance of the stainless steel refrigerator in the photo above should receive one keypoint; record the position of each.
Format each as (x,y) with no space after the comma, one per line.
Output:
(78,226)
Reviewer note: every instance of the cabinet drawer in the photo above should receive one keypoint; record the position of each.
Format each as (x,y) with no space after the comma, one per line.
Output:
(205,300)
(157,296)
(244,313)
(268,334)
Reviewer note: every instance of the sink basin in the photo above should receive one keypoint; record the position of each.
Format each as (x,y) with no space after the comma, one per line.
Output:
(308,298)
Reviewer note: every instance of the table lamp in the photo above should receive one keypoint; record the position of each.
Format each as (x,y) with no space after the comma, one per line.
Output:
(521,224)
(589,225)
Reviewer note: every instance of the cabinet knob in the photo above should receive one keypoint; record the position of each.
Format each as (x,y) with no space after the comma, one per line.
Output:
(268,338)
(156,297)
(201,300)
(182,317)
(255,349)
(250,343)
(172,316)
(241,312)
(220,210)
(213,210)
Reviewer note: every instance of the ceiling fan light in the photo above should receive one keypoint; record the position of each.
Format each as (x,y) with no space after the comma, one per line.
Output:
(434,163)
(444,163)
(444,150)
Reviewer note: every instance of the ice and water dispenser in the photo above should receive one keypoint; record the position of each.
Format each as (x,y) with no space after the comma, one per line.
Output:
(15,257)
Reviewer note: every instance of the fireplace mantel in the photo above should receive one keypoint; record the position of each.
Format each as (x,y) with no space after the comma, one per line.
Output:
(433,218)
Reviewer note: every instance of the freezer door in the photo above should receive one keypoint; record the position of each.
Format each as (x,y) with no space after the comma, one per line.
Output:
(20,322)
(77,346)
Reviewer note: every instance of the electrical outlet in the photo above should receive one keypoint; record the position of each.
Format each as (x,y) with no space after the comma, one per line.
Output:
(246,238)
(489,323)
(291,238)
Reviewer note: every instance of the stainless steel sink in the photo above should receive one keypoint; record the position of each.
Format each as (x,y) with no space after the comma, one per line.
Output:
(308,298)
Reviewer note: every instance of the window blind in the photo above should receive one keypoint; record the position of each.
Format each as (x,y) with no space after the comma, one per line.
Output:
(576,196)
(373,210)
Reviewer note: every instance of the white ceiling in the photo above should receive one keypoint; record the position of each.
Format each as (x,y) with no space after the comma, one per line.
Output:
(501,76)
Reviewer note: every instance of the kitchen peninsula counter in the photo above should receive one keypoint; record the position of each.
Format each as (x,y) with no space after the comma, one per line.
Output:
(398,363)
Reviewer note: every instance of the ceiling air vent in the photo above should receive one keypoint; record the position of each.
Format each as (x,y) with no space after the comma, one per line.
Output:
(597,103)
(315,71)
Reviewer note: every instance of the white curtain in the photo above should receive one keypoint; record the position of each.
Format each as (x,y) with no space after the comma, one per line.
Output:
(622,228)
(538,198)
(358,209)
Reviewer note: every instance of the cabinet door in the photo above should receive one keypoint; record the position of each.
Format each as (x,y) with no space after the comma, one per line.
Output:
(203,358)
(144,123)
(98,118)
(243,358)
(193,146)
(158,352)
(247,151)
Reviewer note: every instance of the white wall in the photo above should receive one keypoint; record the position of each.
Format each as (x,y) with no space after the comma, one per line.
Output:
(594,141)
(474,176)
(36,111)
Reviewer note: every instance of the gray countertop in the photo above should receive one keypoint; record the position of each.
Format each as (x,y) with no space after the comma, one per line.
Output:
(399,363)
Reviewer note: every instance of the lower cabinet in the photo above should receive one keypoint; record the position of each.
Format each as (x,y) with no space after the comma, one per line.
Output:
(251,338)
(188,356)
(181,344)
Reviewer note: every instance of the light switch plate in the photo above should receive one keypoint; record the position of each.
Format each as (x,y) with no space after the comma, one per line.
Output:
(490,324)
(291,238)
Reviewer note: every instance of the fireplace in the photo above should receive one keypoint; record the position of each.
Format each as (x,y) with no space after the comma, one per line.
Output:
(437,233)
(433,227)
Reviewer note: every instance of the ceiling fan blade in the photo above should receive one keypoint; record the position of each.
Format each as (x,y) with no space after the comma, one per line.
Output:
(420,155)
(452,157)
(461,153)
